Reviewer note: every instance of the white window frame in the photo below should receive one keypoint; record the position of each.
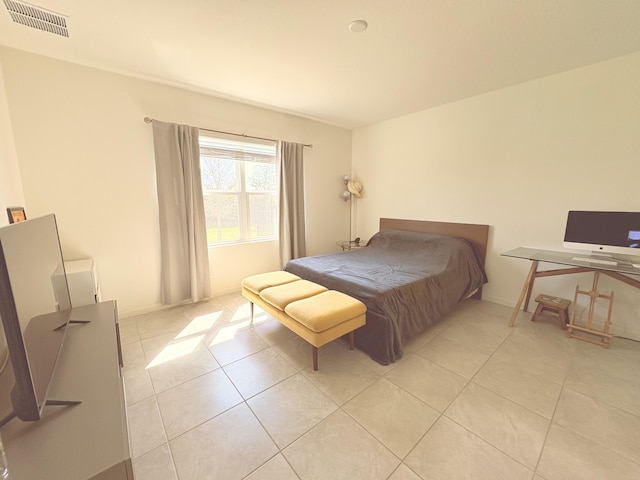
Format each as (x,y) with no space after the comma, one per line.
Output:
(251,150)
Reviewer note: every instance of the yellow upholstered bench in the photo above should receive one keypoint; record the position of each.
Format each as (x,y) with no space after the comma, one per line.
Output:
(313,312)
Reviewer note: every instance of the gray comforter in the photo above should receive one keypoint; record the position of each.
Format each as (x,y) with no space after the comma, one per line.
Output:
(407,280)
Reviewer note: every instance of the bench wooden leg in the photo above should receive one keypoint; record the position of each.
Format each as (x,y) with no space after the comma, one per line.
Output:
(251,309)
(314,351)
(352,340)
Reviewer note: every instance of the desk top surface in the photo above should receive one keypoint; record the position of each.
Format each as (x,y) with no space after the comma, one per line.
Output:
(625,263)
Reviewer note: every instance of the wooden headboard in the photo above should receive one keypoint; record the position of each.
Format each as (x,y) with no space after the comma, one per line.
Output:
(478,235)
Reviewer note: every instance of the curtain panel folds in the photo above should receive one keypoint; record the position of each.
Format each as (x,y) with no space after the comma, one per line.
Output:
(183,238)
(291,204)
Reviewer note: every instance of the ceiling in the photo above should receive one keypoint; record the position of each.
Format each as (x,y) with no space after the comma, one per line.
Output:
(298,56)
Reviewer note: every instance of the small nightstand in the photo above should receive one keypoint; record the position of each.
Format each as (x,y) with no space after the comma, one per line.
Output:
(352,244)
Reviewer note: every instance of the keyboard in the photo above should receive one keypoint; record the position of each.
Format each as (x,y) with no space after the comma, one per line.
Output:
(594,260)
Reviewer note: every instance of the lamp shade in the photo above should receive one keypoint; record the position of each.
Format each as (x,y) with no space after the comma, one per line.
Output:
(354,188)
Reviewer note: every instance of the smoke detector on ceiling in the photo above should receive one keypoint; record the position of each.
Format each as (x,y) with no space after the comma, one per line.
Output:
(37,17)
(358,26)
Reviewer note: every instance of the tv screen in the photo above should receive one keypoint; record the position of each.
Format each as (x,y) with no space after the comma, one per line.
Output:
(34,309)
(609,232)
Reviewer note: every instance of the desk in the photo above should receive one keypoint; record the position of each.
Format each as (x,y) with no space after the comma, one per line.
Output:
(619,272)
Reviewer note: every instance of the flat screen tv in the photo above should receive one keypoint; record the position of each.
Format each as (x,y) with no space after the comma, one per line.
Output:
(603,232)
(34,309)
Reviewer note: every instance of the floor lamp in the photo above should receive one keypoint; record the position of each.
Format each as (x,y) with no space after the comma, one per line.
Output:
(353,190)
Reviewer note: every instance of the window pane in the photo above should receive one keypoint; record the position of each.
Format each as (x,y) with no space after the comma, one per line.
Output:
(220,175)
(222,212)
(260,177)
(240,186)
(262,215)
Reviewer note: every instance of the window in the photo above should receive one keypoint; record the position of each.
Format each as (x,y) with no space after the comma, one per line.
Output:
(240,188)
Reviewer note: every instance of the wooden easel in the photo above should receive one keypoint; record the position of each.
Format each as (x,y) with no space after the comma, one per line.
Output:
(593,294)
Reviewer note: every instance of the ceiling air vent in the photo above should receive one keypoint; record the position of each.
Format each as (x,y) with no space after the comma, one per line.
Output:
(36,17)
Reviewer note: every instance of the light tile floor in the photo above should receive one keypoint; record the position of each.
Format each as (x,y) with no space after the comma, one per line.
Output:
(212,397)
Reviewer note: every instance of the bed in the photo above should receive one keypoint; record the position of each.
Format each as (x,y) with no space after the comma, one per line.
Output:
(410,275)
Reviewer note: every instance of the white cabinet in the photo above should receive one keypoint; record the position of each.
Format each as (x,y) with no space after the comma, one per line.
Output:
(83,282)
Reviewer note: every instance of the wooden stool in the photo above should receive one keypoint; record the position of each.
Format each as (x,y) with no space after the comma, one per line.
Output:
(559,307)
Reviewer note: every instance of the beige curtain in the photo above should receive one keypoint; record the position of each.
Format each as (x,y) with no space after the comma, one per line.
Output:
(183,237)
(292,226)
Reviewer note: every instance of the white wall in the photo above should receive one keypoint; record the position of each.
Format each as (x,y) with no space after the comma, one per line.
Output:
(10,184)
(86,154)
(517,159)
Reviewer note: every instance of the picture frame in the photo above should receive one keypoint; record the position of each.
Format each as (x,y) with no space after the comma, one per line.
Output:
(16,214)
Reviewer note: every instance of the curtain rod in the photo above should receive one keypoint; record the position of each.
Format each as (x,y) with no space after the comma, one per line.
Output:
(149,120)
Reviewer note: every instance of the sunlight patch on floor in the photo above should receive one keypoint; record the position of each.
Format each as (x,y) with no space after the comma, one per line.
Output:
(241,313)
(244,313)
(200,324)
(176,350)
(228,333)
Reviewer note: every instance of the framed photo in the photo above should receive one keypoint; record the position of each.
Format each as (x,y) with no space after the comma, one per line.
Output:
(16,214)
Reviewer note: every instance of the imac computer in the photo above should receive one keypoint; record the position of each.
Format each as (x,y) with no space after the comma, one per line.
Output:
(608,236)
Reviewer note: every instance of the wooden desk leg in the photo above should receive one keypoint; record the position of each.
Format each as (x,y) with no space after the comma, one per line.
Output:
(526,291)
(527,298)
